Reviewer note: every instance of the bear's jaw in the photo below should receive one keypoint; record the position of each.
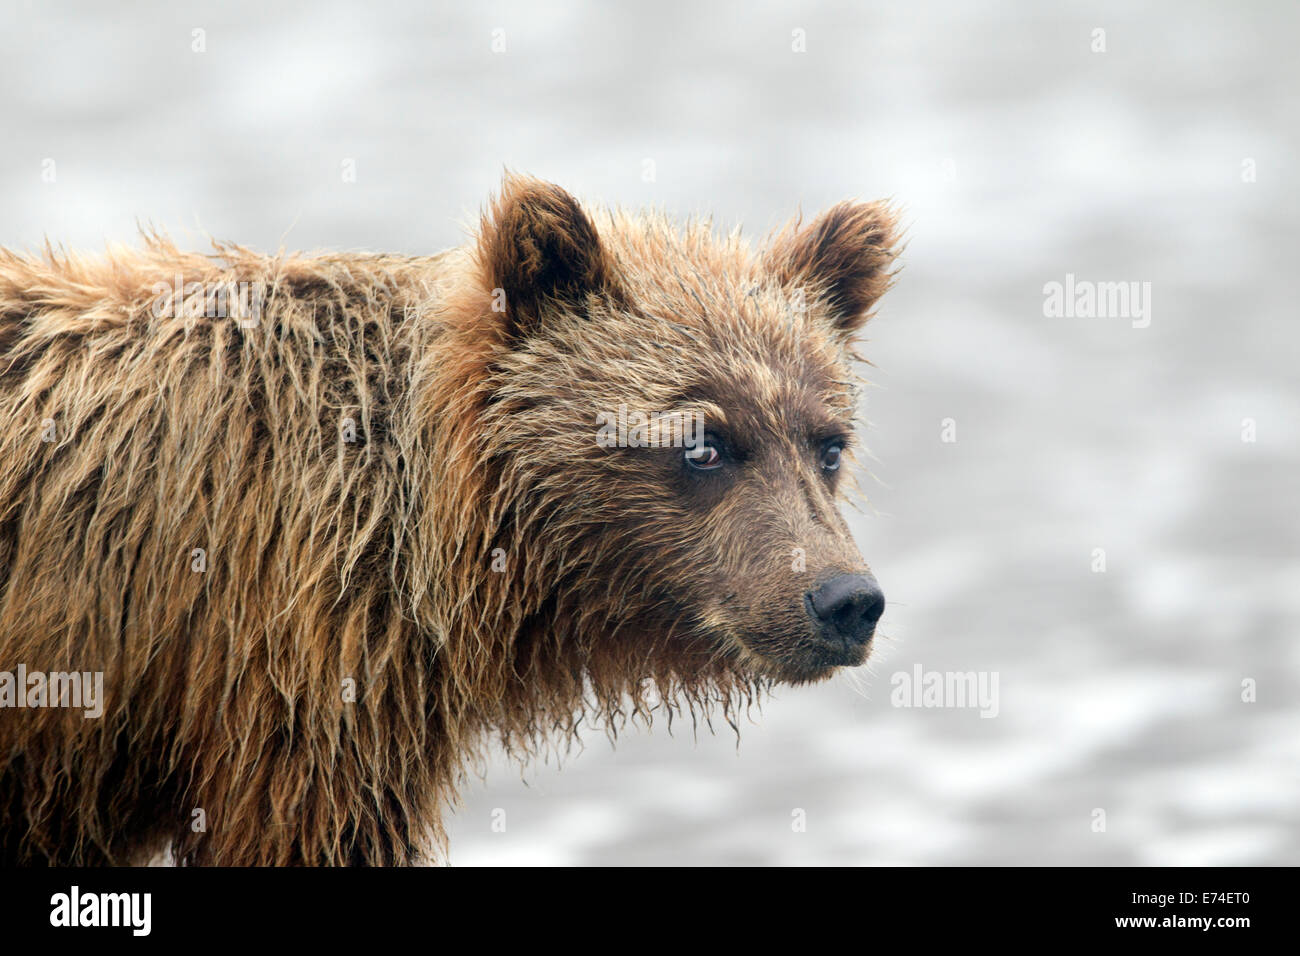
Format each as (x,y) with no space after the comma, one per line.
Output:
(806,659)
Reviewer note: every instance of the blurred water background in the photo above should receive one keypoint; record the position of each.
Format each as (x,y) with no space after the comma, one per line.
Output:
(1021,154)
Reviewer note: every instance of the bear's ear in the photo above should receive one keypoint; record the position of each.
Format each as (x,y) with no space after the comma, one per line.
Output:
(538,249)
(844,257)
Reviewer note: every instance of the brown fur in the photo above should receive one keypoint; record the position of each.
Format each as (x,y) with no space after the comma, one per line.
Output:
(374,560)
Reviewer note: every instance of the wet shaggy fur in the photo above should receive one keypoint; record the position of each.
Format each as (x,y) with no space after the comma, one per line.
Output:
(473,565)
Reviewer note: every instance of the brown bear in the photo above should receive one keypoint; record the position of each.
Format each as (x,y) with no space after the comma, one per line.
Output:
(321,527)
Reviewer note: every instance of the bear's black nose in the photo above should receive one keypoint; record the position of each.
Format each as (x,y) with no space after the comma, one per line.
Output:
(847,607)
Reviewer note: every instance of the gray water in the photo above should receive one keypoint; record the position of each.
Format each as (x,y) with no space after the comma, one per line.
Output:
(1020,156)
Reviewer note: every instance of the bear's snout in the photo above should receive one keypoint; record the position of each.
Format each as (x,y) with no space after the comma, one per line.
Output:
(845,609)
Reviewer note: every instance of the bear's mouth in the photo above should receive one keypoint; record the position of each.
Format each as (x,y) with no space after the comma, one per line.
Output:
(840,654)
(805,659)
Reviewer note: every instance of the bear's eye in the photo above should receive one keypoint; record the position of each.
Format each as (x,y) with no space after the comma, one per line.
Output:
(831,456)
(705,456)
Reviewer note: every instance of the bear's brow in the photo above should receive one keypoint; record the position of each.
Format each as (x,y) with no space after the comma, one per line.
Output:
(694,404)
